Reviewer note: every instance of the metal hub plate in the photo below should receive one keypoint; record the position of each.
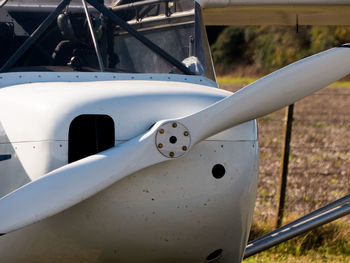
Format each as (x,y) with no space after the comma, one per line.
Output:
(173,139)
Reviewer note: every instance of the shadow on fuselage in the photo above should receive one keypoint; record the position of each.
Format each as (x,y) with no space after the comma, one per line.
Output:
(12,172)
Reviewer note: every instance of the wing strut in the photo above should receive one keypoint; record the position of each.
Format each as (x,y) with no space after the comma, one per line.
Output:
(319,217)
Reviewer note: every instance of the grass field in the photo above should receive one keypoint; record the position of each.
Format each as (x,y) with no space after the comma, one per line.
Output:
(319,172)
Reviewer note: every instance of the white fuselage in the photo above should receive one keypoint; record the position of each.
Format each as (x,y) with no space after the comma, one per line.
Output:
(171,212)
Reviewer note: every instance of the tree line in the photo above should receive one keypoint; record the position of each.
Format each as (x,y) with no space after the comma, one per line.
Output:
(268,48)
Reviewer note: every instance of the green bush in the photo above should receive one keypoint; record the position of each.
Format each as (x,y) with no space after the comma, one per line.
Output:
(271,47)
(275,47)
(323,38)
(230,46)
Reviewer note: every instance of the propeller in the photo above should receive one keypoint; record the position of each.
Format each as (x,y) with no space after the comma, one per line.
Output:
(169,139)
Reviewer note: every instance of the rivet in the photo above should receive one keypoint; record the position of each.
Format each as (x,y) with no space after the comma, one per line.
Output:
(160,145)
(184,148)
(186,133)
(171,154)
(161,131)
(174,125)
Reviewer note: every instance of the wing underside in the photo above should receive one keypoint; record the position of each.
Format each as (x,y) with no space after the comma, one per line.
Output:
(239,12)
(276,12)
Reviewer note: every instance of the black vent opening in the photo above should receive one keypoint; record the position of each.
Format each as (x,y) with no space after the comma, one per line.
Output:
(88,135)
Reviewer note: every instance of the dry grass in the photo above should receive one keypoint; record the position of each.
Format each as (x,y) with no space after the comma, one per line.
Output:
(329,243)
(319,172)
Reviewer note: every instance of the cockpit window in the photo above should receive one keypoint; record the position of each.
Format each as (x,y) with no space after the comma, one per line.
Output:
(173,26)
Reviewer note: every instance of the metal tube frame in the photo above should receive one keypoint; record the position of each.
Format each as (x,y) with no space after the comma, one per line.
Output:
(2,3)
(93,37)
(116,19)
(34,36)
(105,11)
(137,4)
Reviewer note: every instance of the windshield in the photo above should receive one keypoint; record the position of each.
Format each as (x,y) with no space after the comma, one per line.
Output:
(173,28)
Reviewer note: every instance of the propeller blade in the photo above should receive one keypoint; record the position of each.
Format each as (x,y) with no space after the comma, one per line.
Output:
(77,181)
(272,92)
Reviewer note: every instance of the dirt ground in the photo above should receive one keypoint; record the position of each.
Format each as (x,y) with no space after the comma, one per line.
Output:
(319,161)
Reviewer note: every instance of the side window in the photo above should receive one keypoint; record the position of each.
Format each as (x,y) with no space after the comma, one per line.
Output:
(88,135)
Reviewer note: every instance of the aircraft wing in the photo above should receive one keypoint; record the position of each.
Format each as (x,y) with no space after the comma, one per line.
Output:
(276,12)
(239,12)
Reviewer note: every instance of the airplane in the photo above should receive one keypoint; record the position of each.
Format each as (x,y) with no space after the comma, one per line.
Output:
(116,144)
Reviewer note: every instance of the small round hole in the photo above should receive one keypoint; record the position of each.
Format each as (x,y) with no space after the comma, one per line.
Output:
(214,255)
(218,171)
(172,139)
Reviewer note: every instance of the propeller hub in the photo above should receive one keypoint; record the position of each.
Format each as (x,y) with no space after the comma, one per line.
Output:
(173,139)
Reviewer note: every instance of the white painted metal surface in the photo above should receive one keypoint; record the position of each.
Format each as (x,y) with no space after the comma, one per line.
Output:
(78,179)
(175,211)
(15,78)
(33,104)
(136,209)
(172,212)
